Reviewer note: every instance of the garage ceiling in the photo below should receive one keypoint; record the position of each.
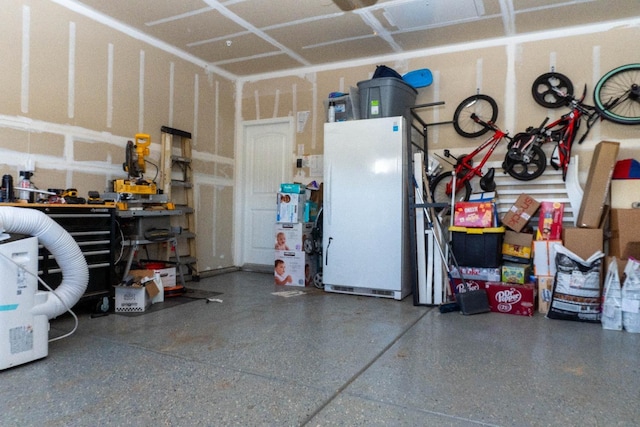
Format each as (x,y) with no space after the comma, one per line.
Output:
(247,37)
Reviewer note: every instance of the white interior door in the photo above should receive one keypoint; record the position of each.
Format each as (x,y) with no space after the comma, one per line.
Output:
(267,162)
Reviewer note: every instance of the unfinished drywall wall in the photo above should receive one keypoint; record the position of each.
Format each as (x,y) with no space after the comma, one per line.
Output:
(75,89)
(503,68)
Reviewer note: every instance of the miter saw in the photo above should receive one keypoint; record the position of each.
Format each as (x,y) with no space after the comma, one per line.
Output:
(135,166)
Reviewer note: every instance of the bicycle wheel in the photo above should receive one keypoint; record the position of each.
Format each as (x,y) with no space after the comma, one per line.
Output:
(482,106)
(545,90)
(525,166)
(617,95)
(439,192)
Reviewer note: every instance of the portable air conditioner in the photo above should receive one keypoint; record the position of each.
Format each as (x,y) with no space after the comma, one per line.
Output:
(24,310)
(23,335)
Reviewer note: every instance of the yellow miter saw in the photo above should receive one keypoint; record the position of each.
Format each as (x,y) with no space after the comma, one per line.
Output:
(135,167)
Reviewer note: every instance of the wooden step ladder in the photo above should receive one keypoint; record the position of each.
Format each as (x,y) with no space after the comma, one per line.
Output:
(176,177)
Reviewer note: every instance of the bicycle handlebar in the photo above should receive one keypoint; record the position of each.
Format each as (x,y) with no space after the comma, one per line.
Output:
(543,124)
(488,125)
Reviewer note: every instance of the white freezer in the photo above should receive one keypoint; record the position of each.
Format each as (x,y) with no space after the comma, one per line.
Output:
(365,215)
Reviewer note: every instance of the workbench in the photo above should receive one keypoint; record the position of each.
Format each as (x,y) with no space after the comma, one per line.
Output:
(144,227)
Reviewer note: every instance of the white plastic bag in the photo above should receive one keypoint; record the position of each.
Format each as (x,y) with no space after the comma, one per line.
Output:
(611,317)
(631,300)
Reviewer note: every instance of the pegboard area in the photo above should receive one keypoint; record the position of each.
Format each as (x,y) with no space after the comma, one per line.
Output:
(548,187)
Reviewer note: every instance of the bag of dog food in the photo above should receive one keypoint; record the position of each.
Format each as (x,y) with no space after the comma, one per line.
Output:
(576,290)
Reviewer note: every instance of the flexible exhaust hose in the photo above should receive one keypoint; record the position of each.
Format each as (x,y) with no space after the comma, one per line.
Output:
(75,273)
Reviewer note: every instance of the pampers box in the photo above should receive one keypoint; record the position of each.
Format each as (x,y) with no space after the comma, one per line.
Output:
(290,207)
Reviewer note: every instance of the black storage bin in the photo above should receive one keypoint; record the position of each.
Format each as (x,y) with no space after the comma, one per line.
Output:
(477,247)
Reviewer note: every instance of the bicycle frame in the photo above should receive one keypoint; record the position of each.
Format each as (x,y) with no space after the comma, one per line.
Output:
(563,132)
(464,168)
(569,123)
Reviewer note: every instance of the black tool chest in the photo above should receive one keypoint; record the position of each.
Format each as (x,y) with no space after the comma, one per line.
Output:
(93,229)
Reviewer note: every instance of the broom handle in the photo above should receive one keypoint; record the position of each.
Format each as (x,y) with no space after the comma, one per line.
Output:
(428,214)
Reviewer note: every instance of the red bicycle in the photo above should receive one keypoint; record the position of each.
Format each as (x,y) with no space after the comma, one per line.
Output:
(616,98)
(562,132)
(474,117)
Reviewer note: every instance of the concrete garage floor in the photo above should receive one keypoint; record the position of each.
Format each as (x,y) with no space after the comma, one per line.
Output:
(321,359)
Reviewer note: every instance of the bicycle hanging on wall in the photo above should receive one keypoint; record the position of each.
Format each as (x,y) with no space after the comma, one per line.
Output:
(616,98)
(475,116)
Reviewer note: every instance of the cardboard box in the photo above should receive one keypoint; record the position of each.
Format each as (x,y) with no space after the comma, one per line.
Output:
(167,276)
(143,275)
(544,257)
(596,189)
(290,207)
(131,299)
(311,268)
(517,246)
(137,297)
(550,221)
(310,211)
(624,193)
(545,290)
(515,273)
(292,236)
(457,287)
(521,212)
(625,232)
(293,187)
(478,247)
(473,214)
(583,242)
(475,277)
(294,268)
(510,298)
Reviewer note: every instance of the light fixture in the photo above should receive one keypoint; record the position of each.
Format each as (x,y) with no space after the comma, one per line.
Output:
(349,5)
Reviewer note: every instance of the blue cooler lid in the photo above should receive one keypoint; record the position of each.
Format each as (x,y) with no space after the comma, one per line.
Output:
(419,78)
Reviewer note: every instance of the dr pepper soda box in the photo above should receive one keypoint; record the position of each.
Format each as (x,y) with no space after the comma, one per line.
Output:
(511,298)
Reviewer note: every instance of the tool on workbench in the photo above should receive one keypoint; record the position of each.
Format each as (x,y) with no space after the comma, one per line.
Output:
(94,198)
(70,196)
(135,166)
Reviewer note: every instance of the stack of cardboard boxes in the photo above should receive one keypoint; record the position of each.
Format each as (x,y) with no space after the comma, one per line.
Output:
(478,245)
(516,292)
(518,260)
(544,255)
(588,236)
(295,254)
(624,232)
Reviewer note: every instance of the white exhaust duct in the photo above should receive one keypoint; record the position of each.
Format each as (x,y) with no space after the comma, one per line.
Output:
(75,273)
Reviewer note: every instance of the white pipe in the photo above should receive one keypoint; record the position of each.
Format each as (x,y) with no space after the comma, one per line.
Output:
(75,273)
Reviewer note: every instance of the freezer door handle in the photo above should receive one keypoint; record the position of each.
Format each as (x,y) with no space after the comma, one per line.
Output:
(326,256)
(327,194)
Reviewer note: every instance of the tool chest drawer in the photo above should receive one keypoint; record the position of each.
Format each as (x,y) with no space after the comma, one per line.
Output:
(93,229)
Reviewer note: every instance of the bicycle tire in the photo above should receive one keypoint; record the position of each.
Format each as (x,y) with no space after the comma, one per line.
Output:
(617,95)
(482,106)
(439,189)
(526,169)
(543,89)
